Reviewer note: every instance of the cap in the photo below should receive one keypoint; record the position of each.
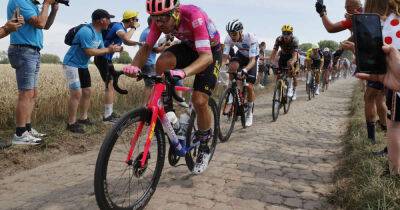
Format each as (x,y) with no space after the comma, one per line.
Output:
(128,14)
(101,13)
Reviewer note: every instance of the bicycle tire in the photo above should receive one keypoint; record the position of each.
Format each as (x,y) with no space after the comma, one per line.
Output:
(101,185)
(276,101)
(288,100)
(221,106)
(190,156)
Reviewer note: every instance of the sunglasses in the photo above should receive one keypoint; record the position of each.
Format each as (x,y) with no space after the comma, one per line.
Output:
(235,33)
(161,18)
(286,33)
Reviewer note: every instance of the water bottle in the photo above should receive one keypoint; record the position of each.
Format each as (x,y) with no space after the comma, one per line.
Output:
(171,116)
(184,124)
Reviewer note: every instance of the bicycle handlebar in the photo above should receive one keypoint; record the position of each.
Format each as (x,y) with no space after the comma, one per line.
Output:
(116,76)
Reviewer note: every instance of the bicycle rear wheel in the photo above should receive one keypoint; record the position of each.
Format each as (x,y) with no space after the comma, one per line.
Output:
(276,101)
(121,184)
(227,114)
(191,156)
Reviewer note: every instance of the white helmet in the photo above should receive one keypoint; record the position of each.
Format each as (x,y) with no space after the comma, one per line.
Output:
(234,26)
(326,49)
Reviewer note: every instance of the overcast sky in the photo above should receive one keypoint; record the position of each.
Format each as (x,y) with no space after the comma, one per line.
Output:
(262,17)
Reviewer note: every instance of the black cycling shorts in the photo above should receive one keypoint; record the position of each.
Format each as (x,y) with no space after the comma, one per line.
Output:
(206,80)
(243,62)
(84,78)
(393,105)
(105,67)
(375,85)
(283,60)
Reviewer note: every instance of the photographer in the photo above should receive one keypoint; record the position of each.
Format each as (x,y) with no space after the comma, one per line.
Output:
(86,43)
(117,34)
(24,56)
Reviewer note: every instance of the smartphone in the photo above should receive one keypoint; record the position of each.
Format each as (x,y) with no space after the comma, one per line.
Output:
(367,33)
(16,14)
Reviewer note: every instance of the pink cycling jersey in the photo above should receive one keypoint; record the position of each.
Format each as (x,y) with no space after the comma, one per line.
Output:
(195,29)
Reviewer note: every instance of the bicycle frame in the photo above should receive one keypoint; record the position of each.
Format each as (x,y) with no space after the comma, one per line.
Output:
(156,106)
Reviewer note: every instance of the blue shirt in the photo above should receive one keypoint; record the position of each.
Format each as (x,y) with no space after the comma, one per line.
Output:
(86,38)
(27,34)
(151,60)
(112,37)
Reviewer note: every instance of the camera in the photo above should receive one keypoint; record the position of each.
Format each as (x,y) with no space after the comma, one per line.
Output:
(65,2)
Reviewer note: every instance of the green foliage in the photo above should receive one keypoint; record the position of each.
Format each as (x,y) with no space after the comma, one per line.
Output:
(332,45)
(362,181)
(4,58)
(50,58)
(305,46)
(123,58)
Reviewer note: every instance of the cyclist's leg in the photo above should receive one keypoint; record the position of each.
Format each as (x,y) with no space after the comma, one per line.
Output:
(251,96)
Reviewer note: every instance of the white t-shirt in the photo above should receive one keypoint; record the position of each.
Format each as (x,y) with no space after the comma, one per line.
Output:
(247,47)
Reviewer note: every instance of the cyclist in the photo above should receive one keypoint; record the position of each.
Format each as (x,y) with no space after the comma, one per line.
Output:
(244,60)
(198,54)
(315,60)
(327,68)
(288,56)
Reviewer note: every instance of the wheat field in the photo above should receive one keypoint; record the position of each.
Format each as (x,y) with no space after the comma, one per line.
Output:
(52,100)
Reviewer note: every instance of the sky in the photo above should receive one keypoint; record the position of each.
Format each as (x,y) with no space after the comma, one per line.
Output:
(264,18)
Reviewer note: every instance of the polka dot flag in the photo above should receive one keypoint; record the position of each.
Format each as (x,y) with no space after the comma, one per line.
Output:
(391,31)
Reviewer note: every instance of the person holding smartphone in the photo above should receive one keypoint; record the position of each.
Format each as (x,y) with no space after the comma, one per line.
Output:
(24,56)
(388,11)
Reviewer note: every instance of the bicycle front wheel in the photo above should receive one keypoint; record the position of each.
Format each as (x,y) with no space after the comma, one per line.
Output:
(287,100)
(126,184)
(191,156)
(276,101)
(227,114)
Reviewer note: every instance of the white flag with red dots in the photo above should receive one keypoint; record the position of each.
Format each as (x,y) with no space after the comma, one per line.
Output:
(391,31)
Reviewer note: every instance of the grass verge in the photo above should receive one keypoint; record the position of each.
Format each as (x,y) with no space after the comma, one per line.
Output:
(362,181)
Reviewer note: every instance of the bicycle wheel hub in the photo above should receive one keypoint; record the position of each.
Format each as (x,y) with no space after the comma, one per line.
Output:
(138,170)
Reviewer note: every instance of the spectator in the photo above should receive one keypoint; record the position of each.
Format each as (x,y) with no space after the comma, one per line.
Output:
(9,27)
(117,34)
(149,68)
(24,56)
(263,70)
(388,10)
(374,96)
(87,42)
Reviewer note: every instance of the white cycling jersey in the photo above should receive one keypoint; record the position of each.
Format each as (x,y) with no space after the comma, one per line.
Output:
(247,47)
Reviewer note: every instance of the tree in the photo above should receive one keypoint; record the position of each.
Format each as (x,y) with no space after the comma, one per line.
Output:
(50,58)
(123,58)
(305,46)
(332,45)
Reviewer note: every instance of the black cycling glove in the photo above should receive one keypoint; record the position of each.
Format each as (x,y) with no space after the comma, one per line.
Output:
(320,8)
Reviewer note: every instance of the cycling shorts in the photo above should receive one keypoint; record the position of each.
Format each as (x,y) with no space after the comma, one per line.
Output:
(206,80)
(243,62)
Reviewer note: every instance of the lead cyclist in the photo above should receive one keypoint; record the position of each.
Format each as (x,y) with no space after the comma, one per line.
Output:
(199,55)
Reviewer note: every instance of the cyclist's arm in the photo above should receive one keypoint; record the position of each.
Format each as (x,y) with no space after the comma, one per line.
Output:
(202,62)
(273,56)
(142,55)
(332,27)
(251,64)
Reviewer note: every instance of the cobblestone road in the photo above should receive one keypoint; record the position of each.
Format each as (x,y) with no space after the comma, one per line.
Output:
(283,165)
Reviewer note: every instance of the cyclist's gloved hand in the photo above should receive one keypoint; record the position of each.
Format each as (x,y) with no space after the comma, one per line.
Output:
(320,7)
(178,73)
(131,71)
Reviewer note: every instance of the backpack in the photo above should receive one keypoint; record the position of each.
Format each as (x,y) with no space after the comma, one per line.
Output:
(69,37)
(104,33)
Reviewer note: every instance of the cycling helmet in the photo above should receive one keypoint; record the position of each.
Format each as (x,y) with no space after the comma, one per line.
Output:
(158,7)
(287,28)
(234,26)
(128,14)
(314,46)
(326,49)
